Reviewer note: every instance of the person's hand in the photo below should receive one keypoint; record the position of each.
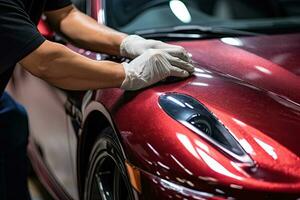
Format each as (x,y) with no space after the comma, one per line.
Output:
(151,67)
(133,46)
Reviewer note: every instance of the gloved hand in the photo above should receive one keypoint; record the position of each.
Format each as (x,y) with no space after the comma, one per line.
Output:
(133,46)
(151,67)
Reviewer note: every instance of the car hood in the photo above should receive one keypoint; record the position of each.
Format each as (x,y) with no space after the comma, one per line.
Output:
(252,80)
(271,63)
(251,85)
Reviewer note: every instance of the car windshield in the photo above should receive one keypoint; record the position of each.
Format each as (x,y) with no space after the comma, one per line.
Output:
(264,16)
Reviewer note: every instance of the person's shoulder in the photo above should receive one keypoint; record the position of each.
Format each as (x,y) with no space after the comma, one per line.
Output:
(17,4)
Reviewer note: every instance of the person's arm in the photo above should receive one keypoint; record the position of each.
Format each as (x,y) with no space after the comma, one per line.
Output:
(55,63)
(84,31)
(66,69)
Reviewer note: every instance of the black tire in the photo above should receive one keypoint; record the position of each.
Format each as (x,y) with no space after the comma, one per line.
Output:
(107,177)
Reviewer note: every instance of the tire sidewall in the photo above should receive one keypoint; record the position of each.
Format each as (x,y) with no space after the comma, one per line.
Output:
(106,145)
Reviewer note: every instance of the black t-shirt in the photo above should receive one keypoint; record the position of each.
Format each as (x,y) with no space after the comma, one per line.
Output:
(18,32)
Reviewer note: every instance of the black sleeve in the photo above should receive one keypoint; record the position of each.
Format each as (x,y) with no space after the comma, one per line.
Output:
(56,4)
(18,35)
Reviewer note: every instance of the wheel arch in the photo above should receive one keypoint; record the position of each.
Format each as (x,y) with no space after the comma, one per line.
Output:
(95,119)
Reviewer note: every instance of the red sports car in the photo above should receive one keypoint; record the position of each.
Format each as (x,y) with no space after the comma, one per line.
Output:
(230,131)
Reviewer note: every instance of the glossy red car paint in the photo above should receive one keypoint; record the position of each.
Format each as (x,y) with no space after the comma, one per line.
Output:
(45,30)
(252,86)
(95,9)
(257,100)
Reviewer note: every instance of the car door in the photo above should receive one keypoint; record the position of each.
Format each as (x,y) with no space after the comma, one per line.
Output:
(50,126)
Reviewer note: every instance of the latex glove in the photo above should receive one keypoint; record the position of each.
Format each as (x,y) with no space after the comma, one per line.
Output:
(152,67)
(134,45)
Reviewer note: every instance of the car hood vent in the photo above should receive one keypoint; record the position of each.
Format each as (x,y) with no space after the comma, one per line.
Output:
(195,116)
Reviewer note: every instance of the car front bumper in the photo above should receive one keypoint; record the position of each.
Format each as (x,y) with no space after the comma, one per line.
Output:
(156,188)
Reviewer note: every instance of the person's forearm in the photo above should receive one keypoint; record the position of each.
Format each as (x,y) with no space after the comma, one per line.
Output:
(68,70)
(86,33)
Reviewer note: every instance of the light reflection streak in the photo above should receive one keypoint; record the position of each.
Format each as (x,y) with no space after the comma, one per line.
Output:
(181,165)
(219,191)
(196,152)
(215,165)
(236,186)
(199,70)
(190,183)
(181,180)
(180,10)
(203,75)
(198,198)
(183,190)
(153,149)
(149,162)
(232,41)
(188,105)
(268,148)
(239,122)
(199,84)
(208,179)
(263,70)
(187,144)
(246,146)
(202,145)
(163,165)
(285,101)
(176,101)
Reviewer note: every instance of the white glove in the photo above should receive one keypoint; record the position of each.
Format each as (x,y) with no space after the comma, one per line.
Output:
(133,46)
(152,67)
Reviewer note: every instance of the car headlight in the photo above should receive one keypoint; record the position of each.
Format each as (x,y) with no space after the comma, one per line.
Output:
(195,116)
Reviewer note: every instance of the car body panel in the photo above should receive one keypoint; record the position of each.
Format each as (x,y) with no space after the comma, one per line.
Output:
(281,50)
(50,125)
(271,80)
(255,66)
(261,117)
